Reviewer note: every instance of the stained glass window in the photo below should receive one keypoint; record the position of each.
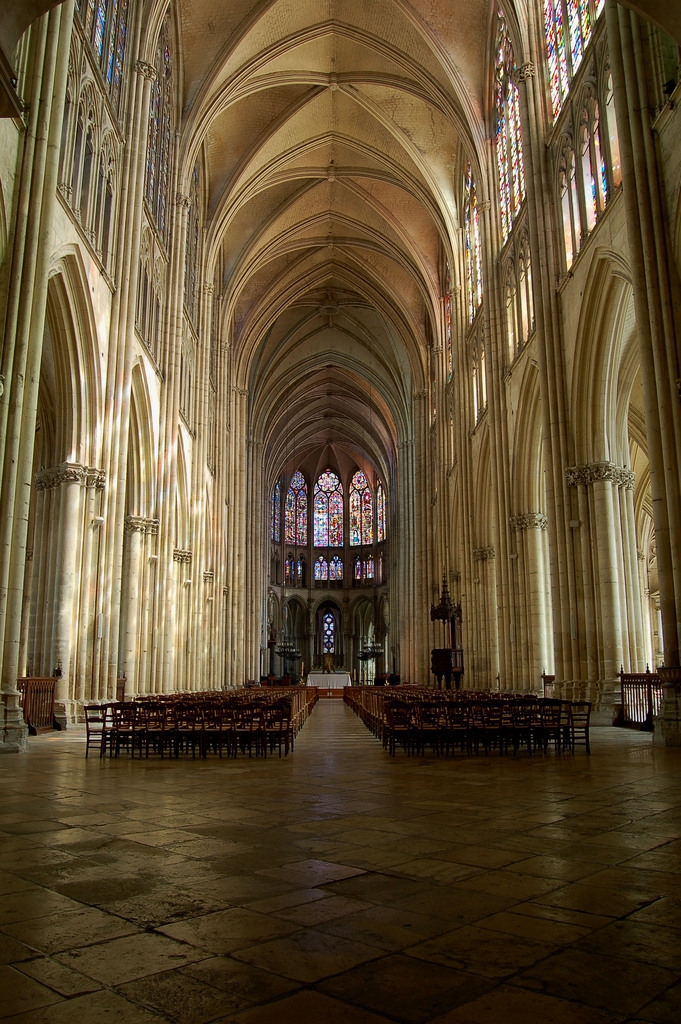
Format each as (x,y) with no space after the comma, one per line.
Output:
(336,568)
(568,28)
(295,512)
(321,569)
(357,571)
(380,513)
(361,511)
(509,142)
(328,511)
(105,23)
(160,131)
(329,633)
(275,513)
(473,244)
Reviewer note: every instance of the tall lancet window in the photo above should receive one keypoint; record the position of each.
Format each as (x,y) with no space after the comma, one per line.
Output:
(295,513)
(568,26)
(191,263)
(448,321)
(509,141)
(160,131)
(275,513)
(328,511)
(361,511)
(380,513)
(473,244)
(106,25)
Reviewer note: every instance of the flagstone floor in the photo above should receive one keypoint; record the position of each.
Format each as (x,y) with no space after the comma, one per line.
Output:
(341,886)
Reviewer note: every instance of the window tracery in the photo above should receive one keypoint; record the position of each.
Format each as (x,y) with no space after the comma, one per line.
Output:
(361,511)
(478,374)
(568,27)
(509,142)
(472,246)
(517,277)
(328,511)
(105,23)
(160,130)
(380,513)
(295,512)
(191,263)
(275,513)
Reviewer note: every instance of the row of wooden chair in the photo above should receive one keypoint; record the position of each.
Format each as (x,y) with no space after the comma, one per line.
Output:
(198,726)
(474,723)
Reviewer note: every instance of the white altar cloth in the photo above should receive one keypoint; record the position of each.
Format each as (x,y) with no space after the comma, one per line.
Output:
(329,680)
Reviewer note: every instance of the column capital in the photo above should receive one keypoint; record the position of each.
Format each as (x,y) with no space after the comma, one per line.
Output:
(576,475)
(148,71)
(182,200)
(527,70)
(181,555)
(141,524)
(68,472)
(528,521)
(484,554)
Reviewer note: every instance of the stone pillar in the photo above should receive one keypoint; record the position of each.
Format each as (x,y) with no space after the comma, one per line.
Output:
(530,527)
(603,535)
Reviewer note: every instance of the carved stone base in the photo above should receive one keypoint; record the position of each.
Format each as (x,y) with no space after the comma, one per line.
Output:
(667,725)
(13,729)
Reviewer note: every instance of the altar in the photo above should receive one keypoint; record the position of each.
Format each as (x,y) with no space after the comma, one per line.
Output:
(329,680)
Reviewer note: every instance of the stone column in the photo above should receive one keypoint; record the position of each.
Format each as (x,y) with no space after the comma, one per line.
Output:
(530,527)
(657,301)
(24,323)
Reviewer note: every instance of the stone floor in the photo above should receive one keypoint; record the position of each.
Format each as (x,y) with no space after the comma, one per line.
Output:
(340,886)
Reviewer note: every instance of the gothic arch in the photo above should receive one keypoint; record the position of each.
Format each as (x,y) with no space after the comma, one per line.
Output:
(598,351)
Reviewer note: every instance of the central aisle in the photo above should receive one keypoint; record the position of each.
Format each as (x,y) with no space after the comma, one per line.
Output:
(340,885)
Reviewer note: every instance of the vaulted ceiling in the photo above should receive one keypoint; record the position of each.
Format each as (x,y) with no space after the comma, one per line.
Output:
(333,135)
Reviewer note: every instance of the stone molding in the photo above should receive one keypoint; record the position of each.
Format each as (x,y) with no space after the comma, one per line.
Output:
(182,200)
(179,555)
(527,70)
(141,524)
(208,576)
(483,554)
(528,521)
(142,67)
(576,475)
(485,205)
(69,472)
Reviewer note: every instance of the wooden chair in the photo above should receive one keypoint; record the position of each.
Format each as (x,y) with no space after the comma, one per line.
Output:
(578,724)
(429,722)
(397,725)
(457,731)
(550,725)
(97,727)
(125,728)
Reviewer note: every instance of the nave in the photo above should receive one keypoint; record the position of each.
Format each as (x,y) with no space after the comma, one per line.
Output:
(341,885)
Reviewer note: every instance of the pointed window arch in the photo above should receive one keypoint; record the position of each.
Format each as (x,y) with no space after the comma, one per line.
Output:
(509,139)
(336,568)
(106,25)
(380,513)
(275,513)
(295,513)
(473,244)
(321,569)
(328,511)
(361,502)
(161,122)
(329,633)
(192,251)
(568,27)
